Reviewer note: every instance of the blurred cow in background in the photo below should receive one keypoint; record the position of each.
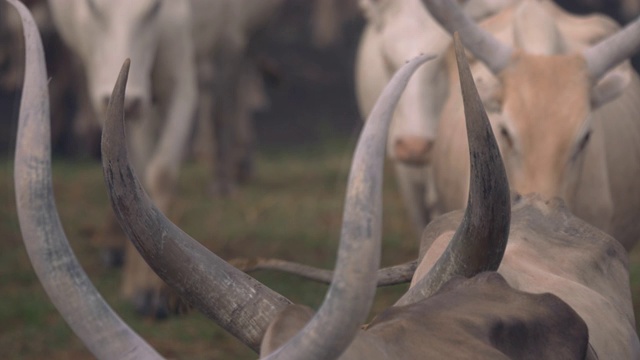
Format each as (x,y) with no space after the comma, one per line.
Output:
(396,31)
(161,104)
(230,83)
(188,57)
(563,100)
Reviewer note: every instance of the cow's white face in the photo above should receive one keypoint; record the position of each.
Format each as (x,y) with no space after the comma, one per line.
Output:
(111,31)
(404,30)
(544,122)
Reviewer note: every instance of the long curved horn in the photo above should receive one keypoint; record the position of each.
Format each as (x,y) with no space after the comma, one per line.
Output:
(611,51)
(350,296)
(223,293)
(235,301)
(64,280)
(479,242)
(393,275)
(481,43)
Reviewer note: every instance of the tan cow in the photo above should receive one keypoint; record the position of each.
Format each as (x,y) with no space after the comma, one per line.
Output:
(566,111)
(443,315)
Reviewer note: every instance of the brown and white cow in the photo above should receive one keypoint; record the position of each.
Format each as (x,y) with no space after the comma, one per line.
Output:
(565,110)
(441,315)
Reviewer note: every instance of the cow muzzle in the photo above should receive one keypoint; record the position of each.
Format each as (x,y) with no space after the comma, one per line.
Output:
(412,150)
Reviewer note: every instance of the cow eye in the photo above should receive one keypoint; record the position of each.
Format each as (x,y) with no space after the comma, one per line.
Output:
(506,136)
(582,144)
(153,11)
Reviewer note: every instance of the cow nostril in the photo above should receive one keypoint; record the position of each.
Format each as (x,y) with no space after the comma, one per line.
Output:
(412,150)
(105,103)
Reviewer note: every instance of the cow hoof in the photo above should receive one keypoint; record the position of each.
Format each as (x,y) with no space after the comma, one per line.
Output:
(112,257)
(150,303)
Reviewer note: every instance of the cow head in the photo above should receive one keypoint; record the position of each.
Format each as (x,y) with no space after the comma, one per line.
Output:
(105,32)
(547,89)
(397,31)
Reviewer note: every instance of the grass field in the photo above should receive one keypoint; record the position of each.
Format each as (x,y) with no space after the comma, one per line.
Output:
(292,210)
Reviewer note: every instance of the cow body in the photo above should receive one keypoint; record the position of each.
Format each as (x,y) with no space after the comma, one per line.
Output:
(560,134)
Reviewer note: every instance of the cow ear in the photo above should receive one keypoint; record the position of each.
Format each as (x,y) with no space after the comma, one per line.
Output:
(610,86)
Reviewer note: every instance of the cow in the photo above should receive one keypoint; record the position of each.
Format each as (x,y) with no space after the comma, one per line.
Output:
(186,65)
(562,99)
(231,84)
(395,31)
(442,314)
(161,103)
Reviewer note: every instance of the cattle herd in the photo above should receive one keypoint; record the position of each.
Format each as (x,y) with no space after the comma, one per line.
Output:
(523,242)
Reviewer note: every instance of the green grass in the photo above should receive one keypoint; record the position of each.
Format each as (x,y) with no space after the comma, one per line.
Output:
(291,210)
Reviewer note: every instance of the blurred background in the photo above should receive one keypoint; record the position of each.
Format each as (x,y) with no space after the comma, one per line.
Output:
(291,208)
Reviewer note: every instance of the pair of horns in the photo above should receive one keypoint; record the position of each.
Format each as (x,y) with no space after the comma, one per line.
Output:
(234,300)
(600,58)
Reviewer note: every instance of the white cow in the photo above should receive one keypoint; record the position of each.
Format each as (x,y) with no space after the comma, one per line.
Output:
(397,30)
(176,49)
(161,102)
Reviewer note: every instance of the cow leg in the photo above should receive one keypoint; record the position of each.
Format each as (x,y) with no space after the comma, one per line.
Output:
(86,125)
(157,149)
(413,191)
(203,144)
(225,120)
(140,286)
(252,97)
